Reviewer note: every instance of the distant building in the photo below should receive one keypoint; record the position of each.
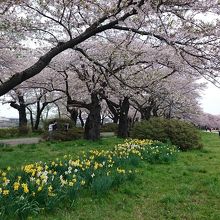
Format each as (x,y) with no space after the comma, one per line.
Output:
(8,122)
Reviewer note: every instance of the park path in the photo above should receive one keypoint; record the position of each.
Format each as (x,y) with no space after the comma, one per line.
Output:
(35,140)
(32,140)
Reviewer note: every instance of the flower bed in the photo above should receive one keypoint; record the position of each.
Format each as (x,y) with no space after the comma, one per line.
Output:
(43,185)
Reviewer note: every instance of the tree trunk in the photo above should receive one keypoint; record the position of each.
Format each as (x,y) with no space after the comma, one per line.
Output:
(22,119)
(81,119)
(37,121)
(39,113)
(114,108)
(73,114)
(92,126)
(31,118)
(22,114)
(146,113)
(115,119)
(123,119)
(155,111)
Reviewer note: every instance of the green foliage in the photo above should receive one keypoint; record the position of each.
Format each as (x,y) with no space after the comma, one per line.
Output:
(37,132)
(101,185)
(23,130)
(109,127)
(9,132)
(184,135)
(179,133)
(154,129)
(6,133)
(160,153)
(59,135)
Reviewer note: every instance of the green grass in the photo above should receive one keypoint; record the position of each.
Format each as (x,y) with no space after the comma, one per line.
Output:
(16,156)
(188,188)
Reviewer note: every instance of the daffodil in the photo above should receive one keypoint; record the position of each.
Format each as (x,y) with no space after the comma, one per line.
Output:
(5,192)
(83,182)
(16,186)
(25,187)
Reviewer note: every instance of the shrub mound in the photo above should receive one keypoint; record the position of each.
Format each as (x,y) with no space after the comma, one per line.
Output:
(9,132)
(47,186)
(182,134)
(60,123)
(61,135)
(109,127)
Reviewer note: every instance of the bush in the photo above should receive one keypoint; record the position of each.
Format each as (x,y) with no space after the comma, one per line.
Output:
(179,133)
(154,129)
(184,135)
(37,132)
(9,132)
(109,127)
(60,135)
(60,123)
(23,131)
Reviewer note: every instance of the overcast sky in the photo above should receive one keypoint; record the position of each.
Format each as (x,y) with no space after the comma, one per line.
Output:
(210,103)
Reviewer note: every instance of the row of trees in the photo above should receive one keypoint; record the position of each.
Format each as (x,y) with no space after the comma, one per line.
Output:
(121,59)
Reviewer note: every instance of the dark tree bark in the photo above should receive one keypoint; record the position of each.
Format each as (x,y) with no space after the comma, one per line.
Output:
(38,115)
(92,126)
(73,114)
(155,111)
(21,107)
(40,109)
(146,113)
(81,119)
(31,118)
(123,129)
(115,110)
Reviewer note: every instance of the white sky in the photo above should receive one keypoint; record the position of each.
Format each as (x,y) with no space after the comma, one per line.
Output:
(7,111)
(210,102)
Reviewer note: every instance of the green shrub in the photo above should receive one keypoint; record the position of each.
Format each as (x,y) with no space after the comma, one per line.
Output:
(23,131)
(9,132)
(109,127)
(60,123)
(60,135)
(37,132)
(182,134)
(18,132)
(154,129)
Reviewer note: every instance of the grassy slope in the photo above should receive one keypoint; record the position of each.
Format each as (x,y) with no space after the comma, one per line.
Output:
(186,189)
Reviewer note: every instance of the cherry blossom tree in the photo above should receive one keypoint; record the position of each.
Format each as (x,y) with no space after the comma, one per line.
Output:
(175,31)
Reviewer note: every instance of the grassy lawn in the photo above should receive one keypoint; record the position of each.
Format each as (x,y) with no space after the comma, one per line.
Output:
(188,188)
(16,156)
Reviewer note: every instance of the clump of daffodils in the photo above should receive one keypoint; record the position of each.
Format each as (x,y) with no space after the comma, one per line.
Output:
(39,182)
